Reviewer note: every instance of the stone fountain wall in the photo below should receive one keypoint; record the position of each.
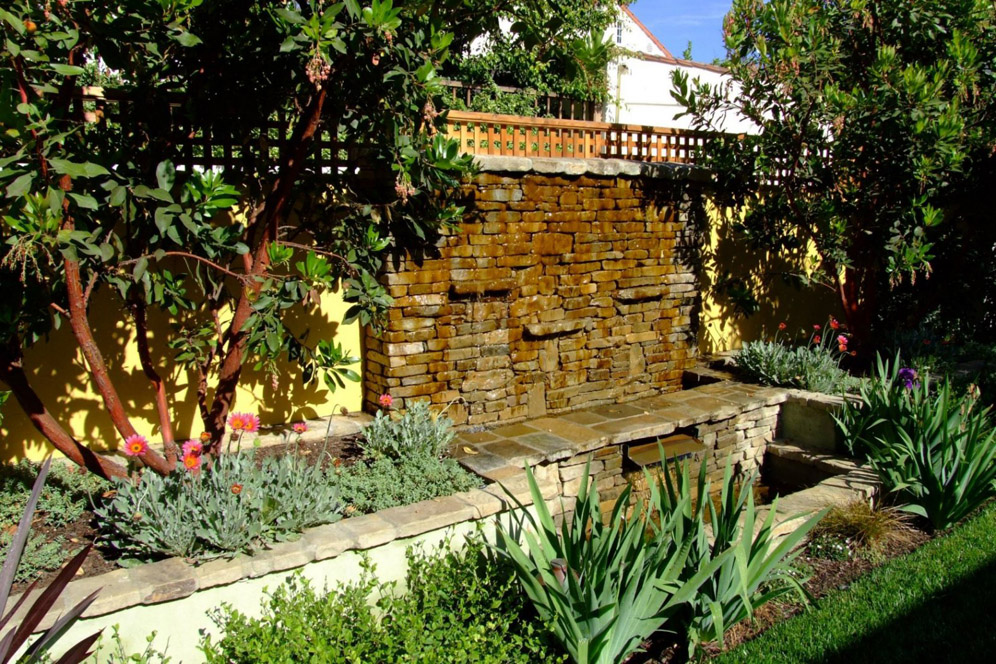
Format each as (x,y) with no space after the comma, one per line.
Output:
(569,284)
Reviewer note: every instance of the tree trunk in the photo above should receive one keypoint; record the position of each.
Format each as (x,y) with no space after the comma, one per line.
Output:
(98,369)
(162,404)
(12,373)
(268,217)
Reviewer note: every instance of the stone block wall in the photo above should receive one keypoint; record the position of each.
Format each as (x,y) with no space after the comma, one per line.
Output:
(560,290)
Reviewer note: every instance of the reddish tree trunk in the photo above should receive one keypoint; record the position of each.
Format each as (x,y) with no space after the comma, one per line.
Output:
(858,292)
(12,373)
(162,404)
(267,216)
(98,369)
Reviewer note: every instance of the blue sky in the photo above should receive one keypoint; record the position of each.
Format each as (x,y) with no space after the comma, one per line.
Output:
(675,22)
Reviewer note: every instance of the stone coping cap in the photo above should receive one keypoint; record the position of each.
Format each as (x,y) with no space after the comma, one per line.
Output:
(556,437)
(603,167)
(176,578)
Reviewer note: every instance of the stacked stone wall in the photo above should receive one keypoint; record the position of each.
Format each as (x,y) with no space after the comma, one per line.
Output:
(557,292)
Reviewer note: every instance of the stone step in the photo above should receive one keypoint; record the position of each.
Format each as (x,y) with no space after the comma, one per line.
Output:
(829,464)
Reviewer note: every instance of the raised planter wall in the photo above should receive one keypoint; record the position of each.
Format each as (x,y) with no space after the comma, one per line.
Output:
(568,284)
(731,420)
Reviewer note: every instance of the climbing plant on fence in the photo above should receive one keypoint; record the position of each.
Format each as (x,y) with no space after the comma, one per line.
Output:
(244,158)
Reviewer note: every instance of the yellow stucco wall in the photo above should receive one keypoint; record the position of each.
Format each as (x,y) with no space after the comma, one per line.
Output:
(720,327)
(59,376)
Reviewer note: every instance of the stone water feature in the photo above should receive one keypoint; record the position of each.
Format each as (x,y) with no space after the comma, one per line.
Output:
(569,284)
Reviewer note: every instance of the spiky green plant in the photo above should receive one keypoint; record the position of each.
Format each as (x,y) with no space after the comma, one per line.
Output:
(603,586)
(755,565)
(936,451)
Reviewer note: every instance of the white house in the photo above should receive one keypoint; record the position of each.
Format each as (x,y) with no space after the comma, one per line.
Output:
(640,80)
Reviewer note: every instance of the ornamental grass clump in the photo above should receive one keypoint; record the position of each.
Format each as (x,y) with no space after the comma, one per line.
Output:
(755,566)
(678,564)
(933,450)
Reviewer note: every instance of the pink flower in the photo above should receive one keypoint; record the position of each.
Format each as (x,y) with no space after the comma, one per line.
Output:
(192,462)
(782,326)
(193,448)
(817,328)
(385,400)
(834,324)
(300,427)
(817,339)
(252,423)
(842,340)
(237,421)
(136,445)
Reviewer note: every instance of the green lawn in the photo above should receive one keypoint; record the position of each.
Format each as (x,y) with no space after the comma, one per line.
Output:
(933,605)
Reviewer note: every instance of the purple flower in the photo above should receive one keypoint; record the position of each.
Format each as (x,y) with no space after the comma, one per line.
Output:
(908,378)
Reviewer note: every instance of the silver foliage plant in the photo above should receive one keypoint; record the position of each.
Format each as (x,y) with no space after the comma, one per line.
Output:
(417,432)
(235,505)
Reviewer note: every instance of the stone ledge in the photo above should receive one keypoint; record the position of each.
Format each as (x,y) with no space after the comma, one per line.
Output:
(603,167)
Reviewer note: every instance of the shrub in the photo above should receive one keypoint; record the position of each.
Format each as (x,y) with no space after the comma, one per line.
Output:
(815,368)
(754,566)
(385,482)
(459,607)
(233,506)
(604,586)
(149,655)
(935,451)
(415,433)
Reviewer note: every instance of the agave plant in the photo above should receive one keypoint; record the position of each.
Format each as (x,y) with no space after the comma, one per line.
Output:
(604,586)
(755,566)
(936,451)
(17,634)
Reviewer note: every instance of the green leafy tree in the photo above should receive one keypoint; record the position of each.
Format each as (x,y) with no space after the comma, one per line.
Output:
(554,47)
(99,192)
(871,119)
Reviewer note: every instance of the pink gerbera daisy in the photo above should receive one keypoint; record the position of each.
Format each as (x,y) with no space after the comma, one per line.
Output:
(252,423)
(193,448)
(237,421)
(300,427)
(192,462)
(385,400)
(136,445)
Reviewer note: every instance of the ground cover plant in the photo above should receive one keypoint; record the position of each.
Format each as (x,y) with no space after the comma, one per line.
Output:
(243,499)
(65,499)
(929,605)
(15,635)
(814,364)
(935,451)
(236,505)
(456,607)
